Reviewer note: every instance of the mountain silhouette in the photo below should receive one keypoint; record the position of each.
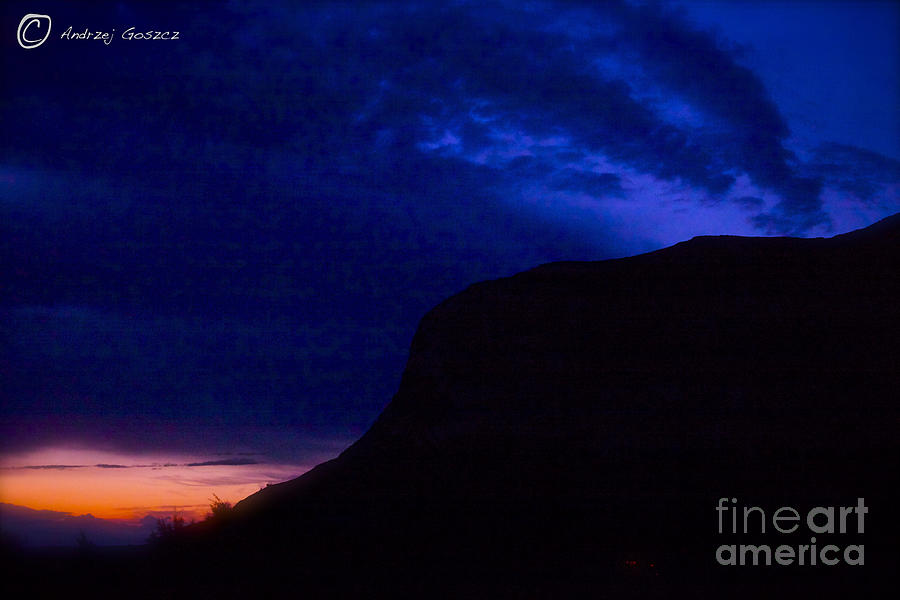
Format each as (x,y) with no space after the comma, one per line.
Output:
(557,425)
(569,431)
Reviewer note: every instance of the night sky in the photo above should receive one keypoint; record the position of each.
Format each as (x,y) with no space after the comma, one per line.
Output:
(215,250)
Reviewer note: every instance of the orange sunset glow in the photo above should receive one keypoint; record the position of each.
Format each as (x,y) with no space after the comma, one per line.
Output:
(130,487)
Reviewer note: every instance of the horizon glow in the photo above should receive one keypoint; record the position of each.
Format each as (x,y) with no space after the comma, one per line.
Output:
(129,487)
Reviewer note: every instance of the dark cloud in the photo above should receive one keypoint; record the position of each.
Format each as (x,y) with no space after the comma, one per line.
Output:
(51,467)
(701,67)
(517,76)
(228,462)
(705,70)
(798,211)
(862,173)
(525,77)
(241,231)
(593,184)
(291,94)
(750,202)
(776,222)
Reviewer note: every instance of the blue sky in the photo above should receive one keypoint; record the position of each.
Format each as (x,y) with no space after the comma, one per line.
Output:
(225,242)
(831,67)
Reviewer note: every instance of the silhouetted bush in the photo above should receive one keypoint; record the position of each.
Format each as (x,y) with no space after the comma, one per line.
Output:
(85,545)
(169,531)
(220,510)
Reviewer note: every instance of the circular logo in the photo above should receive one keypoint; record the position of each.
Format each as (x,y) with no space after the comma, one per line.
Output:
(30,28)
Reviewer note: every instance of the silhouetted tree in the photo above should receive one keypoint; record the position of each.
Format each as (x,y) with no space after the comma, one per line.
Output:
(220,510)
(168,530)
(84,544)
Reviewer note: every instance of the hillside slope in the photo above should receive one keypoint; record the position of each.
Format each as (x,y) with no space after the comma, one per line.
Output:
(552,424)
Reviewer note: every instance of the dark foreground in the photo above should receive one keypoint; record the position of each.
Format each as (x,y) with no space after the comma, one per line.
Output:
(143,572)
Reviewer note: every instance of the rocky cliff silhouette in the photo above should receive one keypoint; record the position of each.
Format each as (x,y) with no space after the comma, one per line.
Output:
(566,428)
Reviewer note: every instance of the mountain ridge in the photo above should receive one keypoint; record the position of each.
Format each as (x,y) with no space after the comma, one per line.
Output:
(673,253)
(597,398)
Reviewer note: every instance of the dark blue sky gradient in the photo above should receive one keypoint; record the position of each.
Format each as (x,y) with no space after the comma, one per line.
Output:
(226,242)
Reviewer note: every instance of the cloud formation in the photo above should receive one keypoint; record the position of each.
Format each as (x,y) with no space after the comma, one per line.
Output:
(369,88)
(224,462)
(242,231)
